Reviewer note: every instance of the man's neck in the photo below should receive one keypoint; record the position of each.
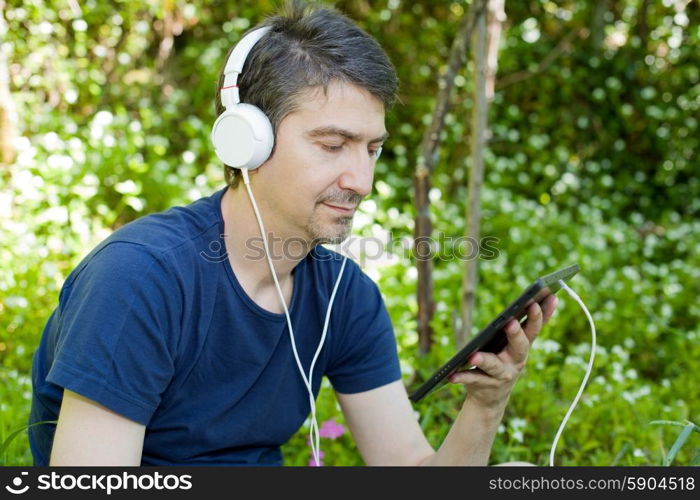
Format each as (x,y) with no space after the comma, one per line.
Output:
(244,244)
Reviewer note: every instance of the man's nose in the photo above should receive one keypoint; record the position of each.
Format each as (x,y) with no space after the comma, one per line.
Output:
(358,174)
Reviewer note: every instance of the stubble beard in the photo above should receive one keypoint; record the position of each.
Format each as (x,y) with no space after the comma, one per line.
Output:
(336,229)
(329,233)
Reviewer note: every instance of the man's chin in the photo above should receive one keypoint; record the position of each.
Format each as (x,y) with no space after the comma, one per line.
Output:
(331,240)
(331,237)
(331,231)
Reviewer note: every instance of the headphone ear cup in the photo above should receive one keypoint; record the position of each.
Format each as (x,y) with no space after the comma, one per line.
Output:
(243,137)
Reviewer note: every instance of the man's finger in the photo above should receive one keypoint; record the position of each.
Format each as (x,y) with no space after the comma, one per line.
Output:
(473,378)
(534,321)
(518,342)
(548,307)
(492,365)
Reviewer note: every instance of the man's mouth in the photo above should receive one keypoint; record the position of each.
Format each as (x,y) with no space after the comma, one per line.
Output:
(341,209)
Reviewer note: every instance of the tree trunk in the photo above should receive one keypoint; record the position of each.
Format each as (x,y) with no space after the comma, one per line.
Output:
(427,157)
(488,36)
(642,27)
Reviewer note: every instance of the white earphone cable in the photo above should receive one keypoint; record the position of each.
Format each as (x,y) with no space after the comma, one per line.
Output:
(318,351)
(314,438)
(588,369)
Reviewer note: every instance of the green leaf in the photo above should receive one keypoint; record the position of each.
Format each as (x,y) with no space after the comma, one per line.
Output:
(16,432)
(679,442)
(696,428)
(668,422)
(626,447)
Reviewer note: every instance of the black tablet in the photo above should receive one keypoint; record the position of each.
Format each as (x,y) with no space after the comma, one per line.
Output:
(493,337)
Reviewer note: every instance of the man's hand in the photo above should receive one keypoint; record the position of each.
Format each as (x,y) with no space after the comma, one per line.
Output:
(490,384)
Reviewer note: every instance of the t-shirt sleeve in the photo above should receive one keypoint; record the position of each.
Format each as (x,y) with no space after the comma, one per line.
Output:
(365,355)
(118,331)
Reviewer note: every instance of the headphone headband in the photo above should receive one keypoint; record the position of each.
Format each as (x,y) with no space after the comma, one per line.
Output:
(234,66)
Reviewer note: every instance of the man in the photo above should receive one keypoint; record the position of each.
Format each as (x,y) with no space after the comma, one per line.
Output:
(169,343)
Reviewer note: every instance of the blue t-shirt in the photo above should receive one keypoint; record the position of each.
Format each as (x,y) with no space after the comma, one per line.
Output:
(154,325)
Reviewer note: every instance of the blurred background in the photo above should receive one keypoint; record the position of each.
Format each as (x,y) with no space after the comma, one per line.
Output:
(105,113)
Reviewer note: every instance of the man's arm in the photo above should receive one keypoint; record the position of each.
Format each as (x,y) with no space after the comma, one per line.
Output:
(387,432)
(384,426)
(88,433)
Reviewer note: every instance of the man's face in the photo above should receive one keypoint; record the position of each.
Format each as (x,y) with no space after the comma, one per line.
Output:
(323,164)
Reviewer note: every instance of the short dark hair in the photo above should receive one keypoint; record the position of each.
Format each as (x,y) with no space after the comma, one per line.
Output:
(308,45)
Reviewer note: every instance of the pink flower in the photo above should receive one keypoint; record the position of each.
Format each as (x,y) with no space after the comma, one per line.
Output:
(312,461)
(331,429)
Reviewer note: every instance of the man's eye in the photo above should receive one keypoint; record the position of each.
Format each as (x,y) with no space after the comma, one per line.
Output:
(332,148)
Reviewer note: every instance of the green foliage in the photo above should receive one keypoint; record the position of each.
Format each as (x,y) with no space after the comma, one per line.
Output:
(15,399)
(640,290)
(688,428)
(592,160)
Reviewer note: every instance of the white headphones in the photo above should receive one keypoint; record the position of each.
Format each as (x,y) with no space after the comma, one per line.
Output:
(242,135)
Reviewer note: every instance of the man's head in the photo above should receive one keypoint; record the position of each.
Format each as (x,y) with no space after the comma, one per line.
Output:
(331,82)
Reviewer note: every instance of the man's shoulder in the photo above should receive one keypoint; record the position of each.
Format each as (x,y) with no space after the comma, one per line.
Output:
(161,232)
(160,243)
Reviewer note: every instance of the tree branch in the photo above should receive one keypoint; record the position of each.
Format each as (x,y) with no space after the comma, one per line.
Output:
(427,158)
